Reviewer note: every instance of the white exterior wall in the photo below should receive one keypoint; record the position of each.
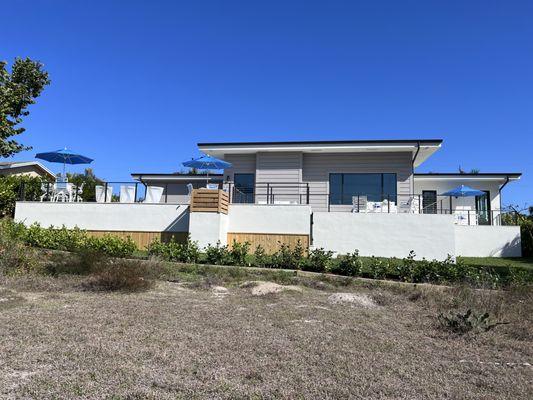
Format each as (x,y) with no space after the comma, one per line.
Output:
(251,218)
(386,235)
(208,228)
(106,216)
(488,241)
(442,185)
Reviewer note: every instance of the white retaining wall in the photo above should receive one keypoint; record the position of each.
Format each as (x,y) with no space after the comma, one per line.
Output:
(385,235)
(488,241)
(281,219)
(106,216)
(208,228)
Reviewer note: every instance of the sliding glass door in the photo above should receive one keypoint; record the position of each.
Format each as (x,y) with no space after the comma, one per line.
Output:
(376,187)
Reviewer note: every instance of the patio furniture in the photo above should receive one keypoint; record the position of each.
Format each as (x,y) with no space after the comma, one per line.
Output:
(153,194)
(212,186)
(78,192)
(464,215)
(102,195)
(48,191)
(127,194)
(190,187)
(359,204)
(388,206)
(62,191)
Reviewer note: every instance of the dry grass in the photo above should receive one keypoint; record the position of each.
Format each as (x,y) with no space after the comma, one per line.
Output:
(176,341)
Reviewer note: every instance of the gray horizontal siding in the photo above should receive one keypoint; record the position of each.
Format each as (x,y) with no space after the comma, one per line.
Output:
(317,167)
(282,169)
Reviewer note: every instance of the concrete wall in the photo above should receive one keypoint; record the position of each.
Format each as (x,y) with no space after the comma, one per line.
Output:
(385,235)
(106,216)
(487,241)
(208,228)
(250,218)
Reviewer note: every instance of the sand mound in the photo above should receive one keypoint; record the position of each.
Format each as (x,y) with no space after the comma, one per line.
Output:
(359,300)
(260,288)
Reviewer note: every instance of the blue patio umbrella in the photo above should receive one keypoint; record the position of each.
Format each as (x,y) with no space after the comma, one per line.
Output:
(463,191)
(207,162)
(64,157)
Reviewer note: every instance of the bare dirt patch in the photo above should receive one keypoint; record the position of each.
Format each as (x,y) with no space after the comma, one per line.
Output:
(355,299)
(260,288)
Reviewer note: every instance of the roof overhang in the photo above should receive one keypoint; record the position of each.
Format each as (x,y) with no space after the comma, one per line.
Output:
(22,164)
(455,176)
(175,177)
(424,147)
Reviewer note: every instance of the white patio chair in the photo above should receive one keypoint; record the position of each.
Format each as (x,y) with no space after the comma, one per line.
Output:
(47,190)
(190,187)
(389,207)
(101,196)
(127,194)
(463,215)
(62,191)
(359,204)
(78,191)
(153,194)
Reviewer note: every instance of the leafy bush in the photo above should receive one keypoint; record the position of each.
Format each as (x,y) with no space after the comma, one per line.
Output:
(119,275)
(349,264)
(238,252)
(17,187)
(287,257)
(464,322)
(15,258)
(526,233)
(69,239)
(187,252)
(318,260)
(260,258)
(218,254)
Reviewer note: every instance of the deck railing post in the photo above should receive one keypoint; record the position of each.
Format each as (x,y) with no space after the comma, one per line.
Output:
(419,205)
(105,193)
(135,195)
(268,189)
(307,193)
(166,193)
(388,203)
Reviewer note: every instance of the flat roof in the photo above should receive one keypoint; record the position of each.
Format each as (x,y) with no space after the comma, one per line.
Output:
(495,176)
(174,177)
(423,148)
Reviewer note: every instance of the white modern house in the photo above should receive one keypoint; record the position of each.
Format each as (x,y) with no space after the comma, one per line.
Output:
(339,195)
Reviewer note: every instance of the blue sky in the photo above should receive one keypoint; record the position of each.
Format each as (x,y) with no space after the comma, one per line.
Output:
(137,84)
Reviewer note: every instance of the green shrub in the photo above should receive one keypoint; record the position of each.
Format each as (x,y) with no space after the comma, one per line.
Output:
(69,239)
(15,257)
(260,258)
(287,257)
(348,264)
(318,260)
(464,322)
(187,252)
(108,244)
(18,187)
(218,254)
(238,253)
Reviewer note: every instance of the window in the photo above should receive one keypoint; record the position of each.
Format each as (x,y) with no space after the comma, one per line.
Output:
(244,188)
(377,187)
(429,201)
(483,208)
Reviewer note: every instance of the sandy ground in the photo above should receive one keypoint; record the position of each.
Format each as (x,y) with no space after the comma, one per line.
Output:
(231,342)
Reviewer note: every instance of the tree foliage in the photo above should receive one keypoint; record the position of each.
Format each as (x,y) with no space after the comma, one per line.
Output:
(18,90)
(89,181)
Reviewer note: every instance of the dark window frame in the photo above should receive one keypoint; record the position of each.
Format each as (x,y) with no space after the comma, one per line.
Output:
(349,201)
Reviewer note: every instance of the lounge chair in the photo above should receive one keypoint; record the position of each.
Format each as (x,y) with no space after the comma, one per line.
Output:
(153,194)
(101,195)
(359,204)
(127,194)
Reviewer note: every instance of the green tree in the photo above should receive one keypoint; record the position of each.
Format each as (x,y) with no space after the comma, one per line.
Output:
(89,181)
(18,90)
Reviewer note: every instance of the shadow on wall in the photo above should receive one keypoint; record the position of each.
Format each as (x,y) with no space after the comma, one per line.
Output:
(510,249)
(181,223)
